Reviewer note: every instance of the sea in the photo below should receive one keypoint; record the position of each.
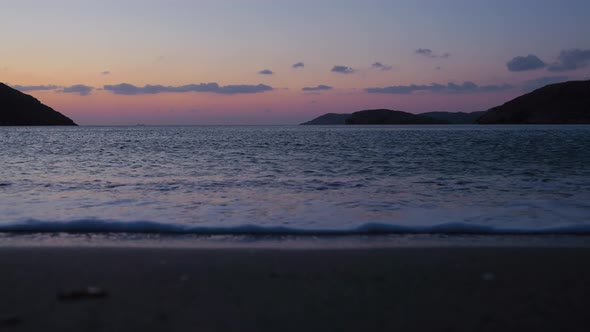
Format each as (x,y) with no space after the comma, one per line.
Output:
(295,180)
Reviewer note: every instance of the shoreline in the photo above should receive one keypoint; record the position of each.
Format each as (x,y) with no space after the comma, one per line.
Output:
(288,241)
(501,288)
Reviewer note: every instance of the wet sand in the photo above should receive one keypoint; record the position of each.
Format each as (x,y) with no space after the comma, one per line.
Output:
(388,289)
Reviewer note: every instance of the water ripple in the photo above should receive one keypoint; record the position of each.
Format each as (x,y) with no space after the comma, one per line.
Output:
(329,177)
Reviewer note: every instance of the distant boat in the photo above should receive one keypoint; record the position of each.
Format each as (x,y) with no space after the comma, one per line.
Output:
(140,125)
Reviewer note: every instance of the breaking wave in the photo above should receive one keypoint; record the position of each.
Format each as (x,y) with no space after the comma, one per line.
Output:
(111,226)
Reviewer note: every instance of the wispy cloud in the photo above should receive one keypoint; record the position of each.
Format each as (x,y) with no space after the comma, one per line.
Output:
(130,89)
(106,72)
(25,88)
(466,87)
(80,89)
(298,65)
(320,87)
(525,63)
(540,82)
(342,69)
(430,54)
(266,72)
(571,60)
(237,89)
(380,66)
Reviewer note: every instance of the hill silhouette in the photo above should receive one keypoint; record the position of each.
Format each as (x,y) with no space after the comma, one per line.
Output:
(562,103)
(397,117)
(385,116)
(455,117)
(19,109)
(329,119)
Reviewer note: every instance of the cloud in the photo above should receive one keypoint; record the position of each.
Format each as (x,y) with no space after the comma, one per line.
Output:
(320,87)
(540,82)
(571,60)
(298,65)
(342,70)
(236,89)
(129,89)
(430,54)
(106,72)
(524,63)
(466,87)
(424,51)
(380,66)
(125,89)
(25,88)
(265,72)
(80,89)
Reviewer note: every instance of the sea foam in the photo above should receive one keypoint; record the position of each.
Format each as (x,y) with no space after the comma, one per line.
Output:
(296,179)
(112,226)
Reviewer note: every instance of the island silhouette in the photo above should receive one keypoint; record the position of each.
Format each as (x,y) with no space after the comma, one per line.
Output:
(561,103)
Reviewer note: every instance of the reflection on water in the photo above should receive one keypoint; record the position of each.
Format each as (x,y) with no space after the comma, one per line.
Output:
(300,177)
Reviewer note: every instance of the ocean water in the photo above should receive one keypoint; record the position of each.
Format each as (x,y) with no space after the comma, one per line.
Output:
(296,179)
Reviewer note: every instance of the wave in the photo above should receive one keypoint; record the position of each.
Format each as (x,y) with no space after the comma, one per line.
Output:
(110,226)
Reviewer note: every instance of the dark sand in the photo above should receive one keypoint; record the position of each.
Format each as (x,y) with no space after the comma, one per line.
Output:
(395,289)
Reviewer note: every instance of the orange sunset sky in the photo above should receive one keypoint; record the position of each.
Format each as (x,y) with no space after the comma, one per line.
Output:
(285,62)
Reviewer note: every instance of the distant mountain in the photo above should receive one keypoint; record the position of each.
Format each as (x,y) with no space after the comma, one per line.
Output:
(329,119)
(455,117)
(384,116)
(562,103)
(408,118)
(19,109)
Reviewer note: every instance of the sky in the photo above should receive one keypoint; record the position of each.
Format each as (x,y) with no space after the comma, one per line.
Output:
(285,61)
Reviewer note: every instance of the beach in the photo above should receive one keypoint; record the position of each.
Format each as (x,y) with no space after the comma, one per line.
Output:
(492,288)
(295,166)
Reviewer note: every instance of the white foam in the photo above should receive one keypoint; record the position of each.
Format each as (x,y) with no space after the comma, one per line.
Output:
(111,226)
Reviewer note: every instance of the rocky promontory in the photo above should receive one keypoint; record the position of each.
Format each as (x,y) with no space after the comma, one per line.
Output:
(562,103)
(19,109)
